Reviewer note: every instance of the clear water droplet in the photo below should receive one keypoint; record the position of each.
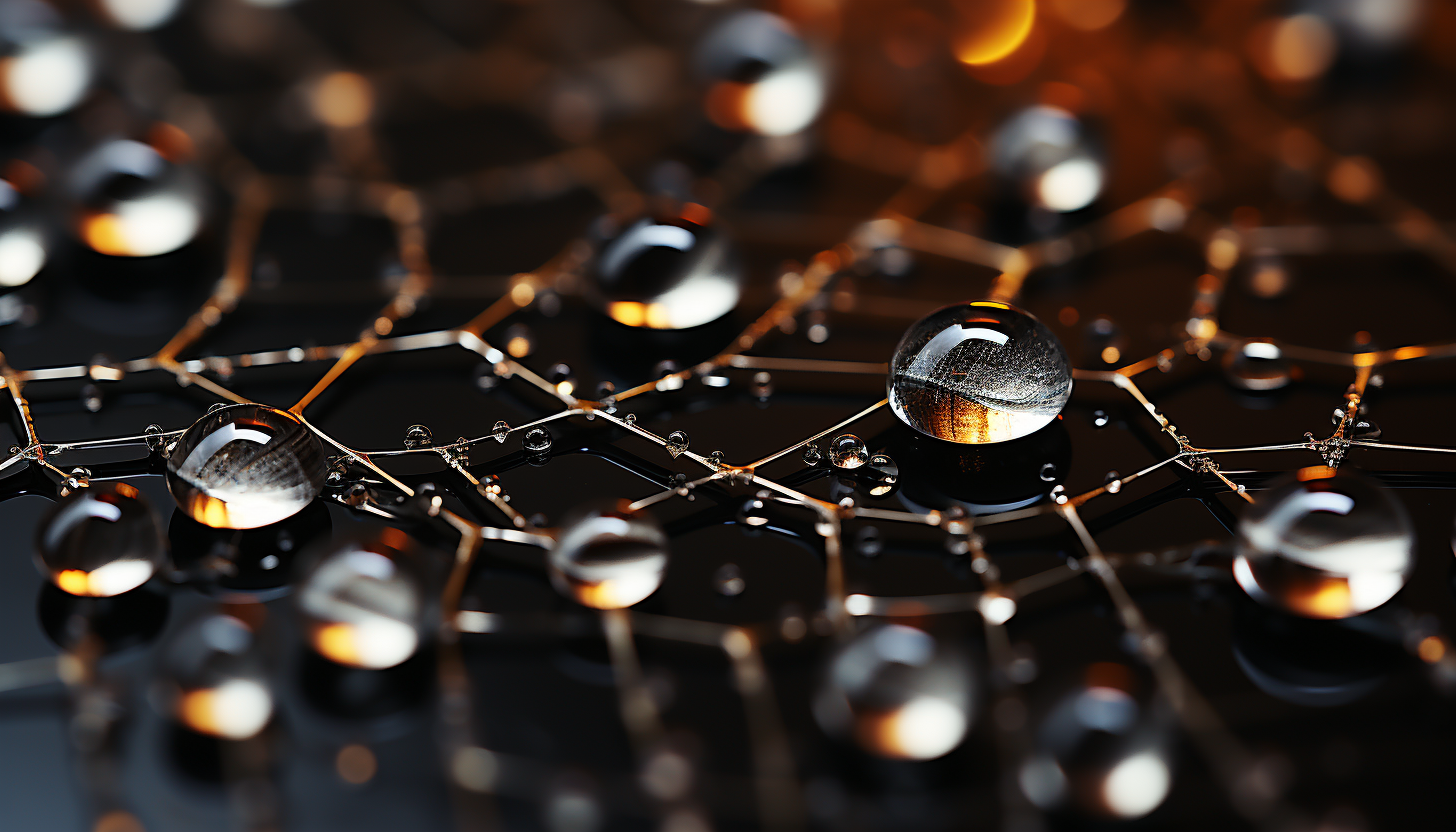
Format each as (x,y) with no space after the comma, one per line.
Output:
(677,442)
(867,542)
(1100,419)
(762,385)
(537,440)
(753,513)
(363,604)
(848,451)
(500,431)
(1049,472)
(608,557)
(631,418)
(716,458)
(417,436)
(100,541)
(812,456)
(91,397)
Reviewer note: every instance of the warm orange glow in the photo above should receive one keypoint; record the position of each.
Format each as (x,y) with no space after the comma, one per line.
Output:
(633,313)
(1432,649)
(1088,15)
(1354,179)
(356,764)
(1069,316)
(993,29)
(106,234)
(1328,598)
(74,581)
(1111,355)
(343,99)
(523,293)
(518,347)
(336,642)
(726,105)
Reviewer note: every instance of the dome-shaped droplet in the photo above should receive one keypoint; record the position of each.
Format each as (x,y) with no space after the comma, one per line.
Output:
(1049,156)
(762,77)
(667,272)
(898,692)
(677,443)
(44,71)
(848,451)
(608,557)
(100,541)
(244,466)
(1257,365)
(218,685)
(979,372)
(23,247)
(1101,751)
(364,602)
(1325,545)
(130,201)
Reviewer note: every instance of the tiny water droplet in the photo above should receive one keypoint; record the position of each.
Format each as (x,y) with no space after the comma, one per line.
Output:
(1100,419)
(677,442)
(753,513)
(417,436)
(91,397)
(631,418)
(716,458)
(1049,472)
(500,432)
(848,451)
(537,440)
(812,455)
(867,542)
(1113,480)
(728,580)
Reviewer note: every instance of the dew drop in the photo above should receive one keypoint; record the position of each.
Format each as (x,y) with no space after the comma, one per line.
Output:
(812,456)
(500,432)
(728,580)
(677,442)
(848,451)
(537,440)
(417,436)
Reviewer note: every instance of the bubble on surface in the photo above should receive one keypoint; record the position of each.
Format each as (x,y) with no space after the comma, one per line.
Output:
(977,373)
(608,557)
(762,77)
(1257,365)
(100,541)
(218,683)
(245,466)
(537,440)
(1049,156)
(848,451)
(898,692)
(130,201)
(1326,544)
(677,443)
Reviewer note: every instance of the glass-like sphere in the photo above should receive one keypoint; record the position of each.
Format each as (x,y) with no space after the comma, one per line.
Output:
(1327,544)
(1101,751)
(667,272)
(245,466)
(22,240)
(1049,156)
(218,685)
(762,77)
(43,70)
(363,603)
(898,692)
(130,201)
(979,372)
(608,557)
(100,541)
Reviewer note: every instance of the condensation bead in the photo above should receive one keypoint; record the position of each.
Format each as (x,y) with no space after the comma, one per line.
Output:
(244,466)
(1326,544)
(1049,156)
(979,372)
(1257,365)
(218,685)
(762,77)
(130,201)
(100,541)
(608,557)
(1101,751)
(667,272)
(23,246)
(364,604)
(848,451)
(44,70)
(897,692)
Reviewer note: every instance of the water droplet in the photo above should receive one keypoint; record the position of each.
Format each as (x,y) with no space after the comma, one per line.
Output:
(607,557)
(537,440)
(753,512)
(672,270)
(130,201)
(244,466)
(716,458)
(363,604)
(154,436)
(485,377)
(848,451)
(1050,157)
(677,442)
(867,541)
(1059,495)
(1113,481)
(417,436)
(884,473)
(728,580)
(1049,472)
(100,541)
(1257,365)
(978,373)
(762,385)
(631,418)
(607,393)
(1100,419)
(218,684)
(812,455)
(500,431)
(1324,545)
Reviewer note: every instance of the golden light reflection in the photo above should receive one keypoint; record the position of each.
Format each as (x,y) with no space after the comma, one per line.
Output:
(356,764)
(343,99)
(992,30)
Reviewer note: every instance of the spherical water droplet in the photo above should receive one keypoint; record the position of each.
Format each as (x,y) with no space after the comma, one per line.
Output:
(22,239)
(417,436)
(608,557)
(91,398)
(1100,419)
(1325,545)
(848,451)
(979,372)
(100,541)
(668,271)
(753,512)
(867,541)
(762,385)
(716,457)
(1113,482)
(500,431)
(47,70)
(898,692)
(677,442)
(218,684)
(1257,365)
(1050,158)
(812,456)
(1049,472)
(244,466)
(760,75)
(130,201)
(884,474)
(537,440)
(1059,495)
(363,602)
(728,580)
(1101,751)
(631,419)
